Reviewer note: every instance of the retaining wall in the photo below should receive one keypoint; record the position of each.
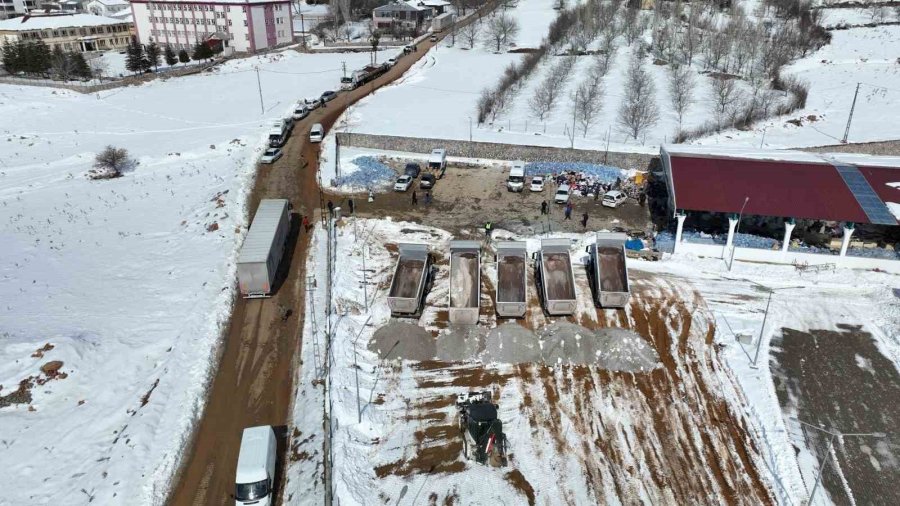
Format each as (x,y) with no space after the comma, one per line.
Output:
(495,151)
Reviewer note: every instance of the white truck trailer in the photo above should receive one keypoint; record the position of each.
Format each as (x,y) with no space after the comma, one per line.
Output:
(555,278)
(609,271)
(511,279)
(362,76)
(442,22)
(407,292)
(465,282)
(263,248)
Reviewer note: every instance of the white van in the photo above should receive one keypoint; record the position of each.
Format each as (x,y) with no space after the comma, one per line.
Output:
(316,133)
(255,477)
(437,161)
(562,194)
(516,180)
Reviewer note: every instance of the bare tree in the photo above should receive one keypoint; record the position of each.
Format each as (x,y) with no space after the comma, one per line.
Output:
(725,94)
(541,102)
(638,111)
(681,89)
(502,29)
(878,13)
(346,31)
(112,162)
(587,102)
(469,34)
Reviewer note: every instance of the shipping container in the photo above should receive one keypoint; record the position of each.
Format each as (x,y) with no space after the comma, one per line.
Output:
(609,270)
(465,281)
(554,277)
(442,21)
(407,292)
(511,279)
(263,248)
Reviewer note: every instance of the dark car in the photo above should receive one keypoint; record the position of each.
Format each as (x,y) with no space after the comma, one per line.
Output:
(412,170)
(328,96)
(427,181)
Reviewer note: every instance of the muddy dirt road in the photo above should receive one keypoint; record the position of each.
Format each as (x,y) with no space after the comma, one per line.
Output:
(254,379)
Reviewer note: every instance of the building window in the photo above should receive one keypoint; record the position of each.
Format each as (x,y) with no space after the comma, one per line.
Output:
(245,22)
(246,36)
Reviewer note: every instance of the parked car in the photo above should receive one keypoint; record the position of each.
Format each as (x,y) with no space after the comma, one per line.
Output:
(427,181)
(562,194)
(613,198)
(312,103)
(392,61)
(271,155)
(409,49)
(537,184)
(403,183)
(412,170)
(328,96)
(433,38)
(316,133)
(300,112)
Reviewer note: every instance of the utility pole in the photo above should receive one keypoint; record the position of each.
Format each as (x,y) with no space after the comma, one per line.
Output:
(302,31)
(262,108)
(574,111)
(852,107)
(344,68)
(337,157)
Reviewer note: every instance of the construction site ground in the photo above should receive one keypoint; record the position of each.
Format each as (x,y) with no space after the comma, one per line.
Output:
(467,197)
(581,429)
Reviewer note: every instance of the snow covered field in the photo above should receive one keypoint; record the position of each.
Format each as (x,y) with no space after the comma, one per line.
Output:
(125,278)
(405,449)
(441,90)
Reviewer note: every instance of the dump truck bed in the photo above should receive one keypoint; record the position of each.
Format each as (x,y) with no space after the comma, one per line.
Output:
(557,279)
(465,281)
(408,284)
(610,271)
(511,279)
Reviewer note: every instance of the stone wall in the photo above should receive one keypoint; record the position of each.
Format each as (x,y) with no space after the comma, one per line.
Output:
(496,151)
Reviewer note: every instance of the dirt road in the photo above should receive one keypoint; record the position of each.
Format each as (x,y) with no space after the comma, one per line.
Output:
(254,379)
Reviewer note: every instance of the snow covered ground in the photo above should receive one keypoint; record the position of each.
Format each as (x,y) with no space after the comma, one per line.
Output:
(125,278)
(440,90)
(402,451)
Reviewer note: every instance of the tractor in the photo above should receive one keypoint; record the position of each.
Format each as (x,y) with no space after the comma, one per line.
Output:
(481,430)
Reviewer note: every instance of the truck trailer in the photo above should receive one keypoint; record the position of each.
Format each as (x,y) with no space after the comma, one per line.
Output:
(263,248)
(609,271)
(465,281)
(442,21)
(554,277)
(362,76)
(407,292)
(511,279)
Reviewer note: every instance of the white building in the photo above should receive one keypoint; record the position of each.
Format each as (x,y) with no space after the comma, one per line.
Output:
(106,7)
(69,32)
(13,8)
(241,25)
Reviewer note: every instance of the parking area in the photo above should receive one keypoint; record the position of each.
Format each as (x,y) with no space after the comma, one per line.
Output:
(468,196)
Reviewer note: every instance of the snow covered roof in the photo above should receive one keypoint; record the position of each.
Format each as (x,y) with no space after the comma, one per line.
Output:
(421,5)
(28,23)
(110,3)
(790,184)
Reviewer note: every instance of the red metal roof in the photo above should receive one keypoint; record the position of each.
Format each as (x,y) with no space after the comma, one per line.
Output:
(789,189)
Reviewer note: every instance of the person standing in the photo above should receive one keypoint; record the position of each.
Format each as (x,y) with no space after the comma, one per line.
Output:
(568,212)
(488,226)
(350,205)
(427,198)
(584,219)
(544,207)
(306,223)
(415,199)
(330,208)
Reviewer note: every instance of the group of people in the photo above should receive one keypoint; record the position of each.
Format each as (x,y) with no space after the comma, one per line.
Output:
(567,212)
(415,198)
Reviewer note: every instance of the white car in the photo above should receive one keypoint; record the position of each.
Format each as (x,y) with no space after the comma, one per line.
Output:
(537,184)
(300,112)
(312,103)
(271,155)
(562,194)
(392,61)
(403,183)
(613,198)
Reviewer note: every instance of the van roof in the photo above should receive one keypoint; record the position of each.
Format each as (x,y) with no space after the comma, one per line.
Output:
(316,126)
(252,460)
(518,163)
(562,187)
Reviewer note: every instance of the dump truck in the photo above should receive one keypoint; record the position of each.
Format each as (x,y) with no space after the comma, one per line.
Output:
(609,271)
(481,429)
(362,76)
(442,21)
(511,279)
(554,277)
(263,248)
(465,281)
(407,292)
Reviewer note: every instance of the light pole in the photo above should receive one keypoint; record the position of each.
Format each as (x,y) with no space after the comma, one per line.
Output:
(736,230)
(470,128)
(834,435)
(766,317)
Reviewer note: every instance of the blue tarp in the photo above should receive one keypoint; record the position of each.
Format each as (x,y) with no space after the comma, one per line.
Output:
(371,174)
(634,244)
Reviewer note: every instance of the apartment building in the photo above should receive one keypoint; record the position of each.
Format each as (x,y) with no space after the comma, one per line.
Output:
(13,8)
(241,25)
(70,32)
